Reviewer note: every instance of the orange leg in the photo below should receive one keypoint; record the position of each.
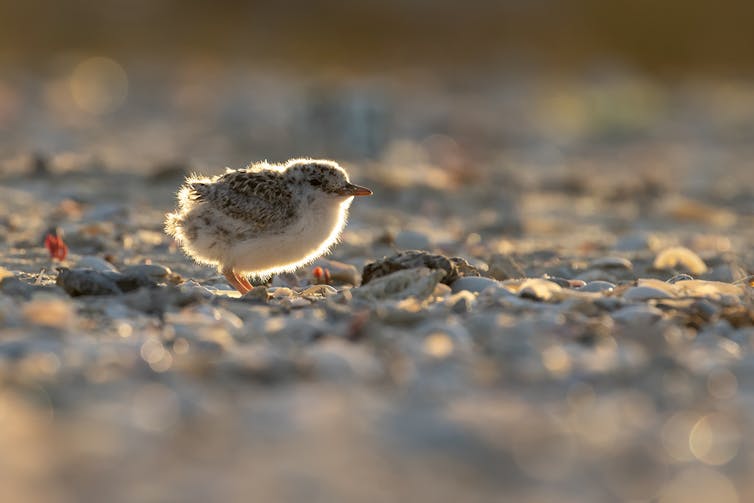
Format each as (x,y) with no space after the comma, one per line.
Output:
(245,282)
(237,283)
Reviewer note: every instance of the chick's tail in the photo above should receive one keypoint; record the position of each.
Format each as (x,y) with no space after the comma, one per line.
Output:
(174,225)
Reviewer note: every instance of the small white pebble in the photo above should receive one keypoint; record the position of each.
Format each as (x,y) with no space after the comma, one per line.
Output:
(680,257)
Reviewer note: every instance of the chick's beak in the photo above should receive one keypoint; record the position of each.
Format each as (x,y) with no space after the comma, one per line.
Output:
(350,189)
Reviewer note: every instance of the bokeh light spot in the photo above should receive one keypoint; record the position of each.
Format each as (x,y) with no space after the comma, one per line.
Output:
(675,435)
(438,345)
(98,85)
(556,361)
(714,439)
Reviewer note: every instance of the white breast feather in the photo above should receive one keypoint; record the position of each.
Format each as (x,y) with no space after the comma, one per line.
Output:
(311,236)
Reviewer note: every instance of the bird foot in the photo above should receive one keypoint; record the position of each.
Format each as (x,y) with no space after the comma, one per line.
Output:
(240,283)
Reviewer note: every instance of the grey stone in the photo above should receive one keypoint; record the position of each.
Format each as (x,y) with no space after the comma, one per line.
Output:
(86,282)
(540,289)
(642,293)
(155,271)
(597,286)
(452,267)
(641,314)
(474,284)
(401,284)
(96,263)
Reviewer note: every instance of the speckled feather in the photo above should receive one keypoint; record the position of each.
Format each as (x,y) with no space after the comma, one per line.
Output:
(259,197)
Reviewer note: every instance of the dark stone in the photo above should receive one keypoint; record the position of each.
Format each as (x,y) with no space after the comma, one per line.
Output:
(454,268)
(561,282)
(86,282)
(679,277)
(130,282)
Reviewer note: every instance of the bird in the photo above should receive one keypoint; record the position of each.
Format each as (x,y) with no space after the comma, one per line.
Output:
(263,219)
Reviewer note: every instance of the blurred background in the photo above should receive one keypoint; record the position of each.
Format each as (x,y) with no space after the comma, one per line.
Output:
(142,83)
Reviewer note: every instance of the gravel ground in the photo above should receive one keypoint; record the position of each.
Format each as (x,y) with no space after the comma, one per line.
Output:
(559,311)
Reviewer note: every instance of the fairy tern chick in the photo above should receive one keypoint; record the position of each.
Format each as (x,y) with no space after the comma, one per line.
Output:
(263,219)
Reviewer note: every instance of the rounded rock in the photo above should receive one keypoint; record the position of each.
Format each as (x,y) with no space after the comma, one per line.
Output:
(475,284)
(539,289)
(154,271)
(95,263)
(679,257)
(597,286)
(641,314)
(643,293)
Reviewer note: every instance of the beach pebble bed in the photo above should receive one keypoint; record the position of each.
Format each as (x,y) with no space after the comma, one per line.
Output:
(513,364)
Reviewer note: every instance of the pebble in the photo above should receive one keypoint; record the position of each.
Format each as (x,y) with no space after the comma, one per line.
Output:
(94,263)
(679,257)
(319,291)
(597,286)
(710,289)
(5,273)
(134,279)
(401,284)
(565,283)
(475,284)
(602,275)
(644,293)
(540,289)
(154,271)
(452,268)
(277,292)
(258,294)
(86,282)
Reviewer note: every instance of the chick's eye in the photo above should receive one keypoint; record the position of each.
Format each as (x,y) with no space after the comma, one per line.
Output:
(315,182)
